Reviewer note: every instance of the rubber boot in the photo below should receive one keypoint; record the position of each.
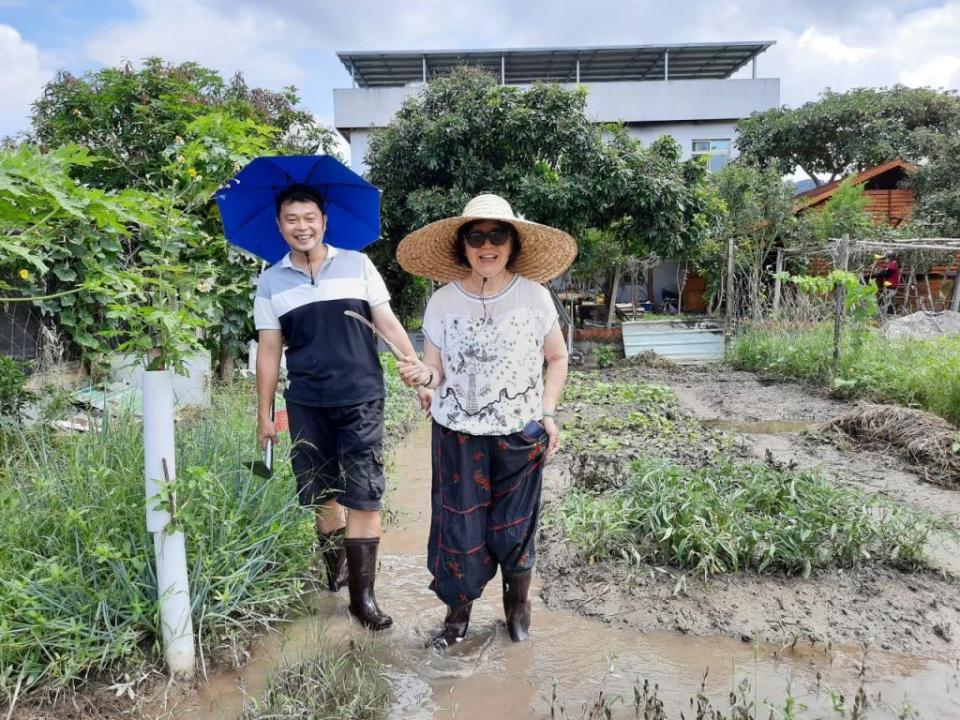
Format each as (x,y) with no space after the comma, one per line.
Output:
(516,605)
(334,558)
(454,626)
(362,564)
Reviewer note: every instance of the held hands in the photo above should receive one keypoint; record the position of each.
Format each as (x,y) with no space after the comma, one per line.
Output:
(412,371)
(553,433)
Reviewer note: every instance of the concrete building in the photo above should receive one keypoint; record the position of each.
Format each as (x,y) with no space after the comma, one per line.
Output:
(681,90)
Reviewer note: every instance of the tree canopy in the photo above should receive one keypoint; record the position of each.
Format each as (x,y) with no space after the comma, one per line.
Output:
(841,133)
(158,140)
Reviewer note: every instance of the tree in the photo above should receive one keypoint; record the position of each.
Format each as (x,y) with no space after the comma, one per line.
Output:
(937,183)
(841,133)
(465,134)
(844,213)
(176,132)
(758,213)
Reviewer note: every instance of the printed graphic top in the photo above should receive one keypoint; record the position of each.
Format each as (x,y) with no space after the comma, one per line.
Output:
(492,353)
(332,359)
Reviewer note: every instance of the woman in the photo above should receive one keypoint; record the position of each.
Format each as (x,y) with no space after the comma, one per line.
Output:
(488,333)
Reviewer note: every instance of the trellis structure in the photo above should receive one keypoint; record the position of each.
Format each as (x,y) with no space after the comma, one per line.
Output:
(838,247)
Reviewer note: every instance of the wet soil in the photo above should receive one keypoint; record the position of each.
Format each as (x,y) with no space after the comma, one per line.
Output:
(873,606)
(570,658)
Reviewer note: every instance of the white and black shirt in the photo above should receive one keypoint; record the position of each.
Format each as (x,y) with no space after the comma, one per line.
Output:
(492,353)
(332,359)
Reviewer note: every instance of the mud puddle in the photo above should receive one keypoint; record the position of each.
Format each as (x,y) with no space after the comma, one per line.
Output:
(490,677)
(759,427)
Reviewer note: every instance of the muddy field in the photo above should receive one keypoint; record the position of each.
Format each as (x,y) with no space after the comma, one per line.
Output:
(871,607)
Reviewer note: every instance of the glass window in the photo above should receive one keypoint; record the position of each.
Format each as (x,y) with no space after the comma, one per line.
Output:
(717,152)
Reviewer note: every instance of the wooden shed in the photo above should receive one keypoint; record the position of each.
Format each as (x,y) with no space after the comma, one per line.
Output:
(888,202)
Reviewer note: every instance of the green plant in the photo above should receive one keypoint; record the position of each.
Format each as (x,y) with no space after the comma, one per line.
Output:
(77,591)
(330,685)
(913,373)
(604,356)
(13,388)
(727,517)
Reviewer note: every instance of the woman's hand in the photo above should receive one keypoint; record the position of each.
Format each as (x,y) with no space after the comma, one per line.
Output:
(553,433)
(425,396)
(412,371)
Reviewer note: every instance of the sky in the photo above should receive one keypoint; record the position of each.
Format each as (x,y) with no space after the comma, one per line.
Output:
(275,43)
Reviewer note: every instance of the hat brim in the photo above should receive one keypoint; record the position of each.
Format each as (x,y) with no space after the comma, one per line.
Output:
(429,252)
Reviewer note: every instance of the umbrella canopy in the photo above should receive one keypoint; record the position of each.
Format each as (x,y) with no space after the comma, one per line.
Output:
(247,203)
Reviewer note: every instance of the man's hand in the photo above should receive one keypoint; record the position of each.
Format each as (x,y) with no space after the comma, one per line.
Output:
(266,431)
(425,396)
(553,432)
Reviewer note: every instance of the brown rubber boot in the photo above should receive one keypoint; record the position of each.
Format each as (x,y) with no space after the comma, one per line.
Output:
(454,626)
(362,564)
(516,604)
(334,558)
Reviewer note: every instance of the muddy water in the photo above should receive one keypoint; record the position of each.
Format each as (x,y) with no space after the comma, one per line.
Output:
(760,427)
(490,677)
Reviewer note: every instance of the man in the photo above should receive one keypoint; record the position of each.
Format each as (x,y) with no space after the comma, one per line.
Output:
(888,280)
(335,394)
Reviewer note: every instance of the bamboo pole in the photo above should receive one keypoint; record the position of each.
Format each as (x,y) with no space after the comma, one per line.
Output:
(955,297)
(839,295)
(777,283)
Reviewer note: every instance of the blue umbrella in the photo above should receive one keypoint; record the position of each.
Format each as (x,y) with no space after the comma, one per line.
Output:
(248,209)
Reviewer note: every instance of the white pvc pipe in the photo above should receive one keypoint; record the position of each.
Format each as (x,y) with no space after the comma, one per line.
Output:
(169,545)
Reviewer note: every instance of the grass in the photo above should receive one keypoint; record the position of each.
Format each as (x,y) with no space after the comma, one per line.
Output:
(737,516)
(922,374)
(77,588)
(326,686)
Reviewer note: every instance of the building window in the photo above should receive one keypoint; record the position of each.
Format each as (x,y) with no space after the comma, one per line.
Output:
(716,151)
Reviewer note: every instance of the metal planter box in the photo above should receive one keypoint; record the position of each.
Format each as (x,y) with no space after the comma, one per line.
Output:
(683,341)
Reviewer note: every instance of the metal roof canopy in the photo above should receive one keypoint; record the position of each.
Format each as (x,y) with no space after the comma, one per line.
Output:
(518,66)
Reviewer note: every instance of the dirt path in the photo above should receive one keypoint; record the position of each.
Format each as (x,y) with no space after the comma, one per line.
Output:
(872,607)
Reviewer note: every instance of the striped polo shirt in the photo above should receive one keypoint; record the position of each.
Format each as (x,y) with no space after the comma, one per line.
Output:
(332,359)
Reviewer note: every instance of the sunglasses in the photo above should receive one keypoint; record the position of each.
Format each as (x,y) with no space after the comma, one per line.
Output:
(497,237)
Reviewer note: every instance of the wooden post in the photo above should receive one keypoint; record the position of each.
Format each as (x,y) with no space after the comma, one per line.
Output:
(839,294)
(612,307)
(731,263)
(955,296)
(777,284)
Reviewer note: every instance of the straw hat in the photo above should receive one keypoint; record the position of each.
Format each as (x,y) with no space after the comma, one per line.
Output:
(545,252)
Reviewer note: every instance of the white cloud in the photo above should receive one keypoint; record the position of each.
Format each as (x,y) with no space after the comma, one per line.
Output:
(832,47)
(246,38)
(22,80)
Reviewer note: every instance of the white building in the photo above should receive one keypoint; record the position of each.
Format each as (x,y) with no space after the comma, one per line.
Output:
(681,90)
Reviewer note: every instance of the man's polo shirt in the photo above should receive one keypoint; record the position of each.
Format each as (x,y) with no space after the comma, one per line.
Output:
(331,358)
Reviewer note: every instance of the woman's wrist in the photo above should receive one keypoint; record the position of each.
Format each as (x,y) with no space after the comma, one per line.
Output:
(429,381)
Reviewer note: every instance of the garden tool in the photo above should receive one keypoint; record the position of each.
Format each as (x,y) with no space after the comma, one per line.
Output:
(393,348)
(263,468)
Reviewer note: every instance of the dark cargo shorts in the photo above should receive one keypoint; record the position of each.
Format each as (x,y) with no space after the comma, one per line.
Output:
(337,453)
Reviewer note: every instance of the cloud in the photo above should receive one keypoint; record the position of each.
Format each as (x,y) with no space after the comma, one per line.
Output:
(22,80)
(250,39)
(832,47)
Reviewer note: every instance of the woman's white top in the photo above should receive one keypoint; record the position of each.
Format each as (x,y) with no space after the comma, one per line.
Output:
(492,352)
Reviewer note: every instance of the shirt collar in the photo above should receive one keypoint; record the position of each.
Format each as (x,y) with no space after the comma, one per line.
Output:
(288,263)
